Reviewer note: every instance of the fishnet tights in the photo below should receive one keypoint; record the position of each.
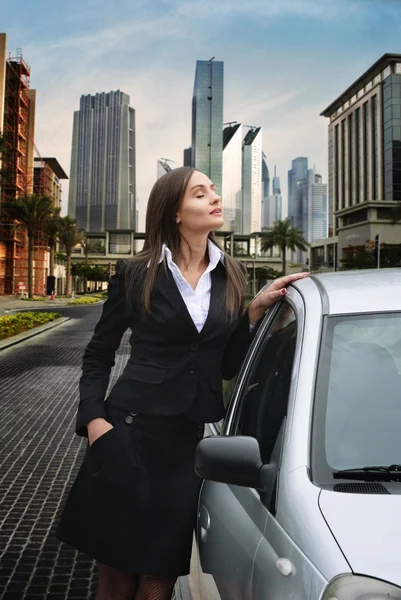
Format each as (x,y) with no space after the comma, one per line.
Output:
(113,584)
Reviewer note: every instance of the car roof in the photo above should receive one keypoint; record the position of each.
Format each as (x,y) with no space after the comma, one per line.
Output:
(361,291)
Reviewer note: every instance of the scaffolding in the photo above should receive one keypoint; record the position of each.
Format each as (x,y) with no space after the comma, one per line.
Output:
(16,172)
(17,181)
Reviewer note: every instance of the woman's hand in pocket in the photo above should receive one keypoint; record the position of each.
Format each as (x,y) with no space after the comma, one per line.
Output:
(97,428)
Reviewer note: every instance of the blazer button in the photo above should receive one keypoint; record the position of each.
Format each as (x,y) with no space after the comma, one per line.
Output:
(192,370)
(194,346)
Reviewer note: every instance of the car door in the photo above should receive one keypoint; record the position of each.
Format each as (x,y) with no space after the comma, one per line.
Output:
(232,519)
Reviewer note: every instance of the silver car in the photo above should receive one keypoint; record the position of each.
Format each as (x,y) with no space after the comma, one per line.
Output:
(302,491)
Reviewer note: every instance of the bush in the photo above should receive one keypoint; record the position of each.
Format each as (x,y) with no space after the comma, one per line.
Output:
(13,324)
(85,300)
(35,299)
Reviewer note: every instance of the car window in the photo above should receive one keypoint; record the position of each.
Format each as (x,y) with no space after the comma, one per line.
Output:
(357,402)
(263,404)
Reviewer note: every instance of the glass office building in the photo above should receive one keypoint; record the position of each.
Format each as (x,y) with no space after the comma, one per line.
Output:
(298,173)
(102,194)
(207,120)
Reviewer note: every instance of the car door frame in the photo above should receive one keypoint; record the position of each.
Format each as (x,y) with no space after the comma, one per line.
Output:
(237,394)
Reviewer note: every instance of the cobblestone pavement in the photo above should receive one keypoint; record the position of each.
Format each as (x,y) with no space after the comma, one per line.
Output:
(39,458)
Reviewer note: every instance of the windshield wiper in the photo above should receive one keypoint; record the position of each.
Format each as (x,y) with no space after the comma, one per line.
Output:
(383,473)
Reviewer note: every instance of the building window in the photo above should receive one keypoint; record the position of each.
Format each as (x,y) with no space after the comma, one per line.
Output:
(357,155)
(350,160)
(366,153)
(375,195)
(343,164)
(336,168)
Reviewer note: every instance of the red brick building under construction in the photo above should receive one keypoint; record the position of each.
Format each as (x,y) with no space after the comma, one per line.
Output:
(21,173)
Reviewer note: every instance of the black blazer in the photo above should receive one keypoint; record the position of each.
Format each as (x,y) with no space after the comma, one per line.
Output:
(173,369)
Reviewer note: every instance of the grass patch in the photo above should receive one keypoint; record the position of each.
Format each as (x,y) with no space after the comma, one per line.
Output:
(13,324)
(85,300)
(35,299)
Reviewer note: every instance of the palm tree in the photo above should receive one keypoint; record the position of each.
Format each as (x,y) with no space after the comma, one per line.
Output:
(89,246)
(32,211)
(52,228)
(69,237)
(284,235)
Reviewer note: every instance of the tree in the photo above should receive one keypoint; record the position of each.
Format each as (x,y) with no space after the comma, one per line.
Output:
(97,273)
(69,237)
(52,228)
(32,212)
(284,235)
(89,246)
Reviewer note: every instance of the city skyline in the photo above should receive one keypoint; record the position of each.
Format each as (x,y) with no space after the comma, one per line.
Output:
(68,60)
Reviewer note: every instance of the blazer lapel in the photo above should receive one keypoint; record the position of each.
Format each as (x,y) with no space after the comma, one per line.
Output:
(166,285)
(216,312)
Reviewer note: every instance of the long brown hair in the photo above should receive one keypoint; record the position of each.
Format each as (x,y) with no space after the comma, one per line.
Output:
(161,228)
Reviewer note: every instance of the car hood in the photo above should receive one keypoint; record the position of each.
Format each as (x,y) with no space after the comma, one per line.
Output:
(368,530)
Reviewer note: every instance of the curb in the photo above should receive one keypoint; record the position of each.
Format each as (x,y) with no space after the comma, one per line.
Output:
(21,337)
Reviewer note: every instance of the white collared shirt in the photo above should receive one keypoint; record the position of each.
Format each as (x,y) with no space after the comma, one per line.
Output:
(197,300)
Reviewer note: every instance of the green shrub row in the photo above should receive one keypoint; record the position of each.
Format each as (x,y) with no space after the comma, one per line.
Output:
(17,323)
(35,299)
(85,300)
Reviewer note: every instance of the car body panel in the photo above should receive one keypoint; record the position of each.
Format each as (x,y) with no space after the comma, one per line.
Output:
(228,539)
(361,291)
(367,527)
(304,582)
(299,515)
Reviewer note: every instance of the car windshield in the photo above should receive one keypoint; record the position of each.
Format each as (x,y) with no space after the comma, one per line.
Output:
(357,414)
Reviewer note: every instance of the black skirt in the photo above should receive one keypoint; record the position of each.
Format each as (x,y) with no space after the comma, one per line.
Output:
(134,502)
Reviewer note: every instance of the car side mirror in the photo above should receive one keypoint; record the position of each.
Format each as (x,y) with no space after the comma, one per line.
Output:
(235,460)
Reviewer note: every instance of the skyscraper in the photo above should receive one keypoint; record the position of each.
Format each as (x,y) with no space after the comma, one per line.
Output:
(299,172)
(232,177)
(207,120)
(102,193)
(311,198)
(251,215)
(272,205)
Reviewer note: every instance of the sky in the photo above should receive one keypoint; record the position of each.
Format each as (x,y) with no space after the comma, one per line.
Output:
(285,61)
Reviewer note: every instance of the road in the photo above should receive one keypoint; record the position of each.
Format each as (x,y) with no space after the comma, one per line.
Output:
(39,458)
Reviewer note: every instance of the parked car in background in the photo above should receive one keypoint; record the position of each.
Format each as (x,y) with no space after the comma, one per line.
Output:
(302,491)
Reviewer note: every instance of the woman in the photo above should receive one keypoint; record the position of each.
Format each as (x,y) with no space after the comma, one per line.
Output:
(133,505)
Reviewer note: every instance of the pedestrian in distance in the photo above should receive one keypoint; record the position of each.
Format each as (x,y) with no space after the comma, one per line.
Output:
(133,505)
